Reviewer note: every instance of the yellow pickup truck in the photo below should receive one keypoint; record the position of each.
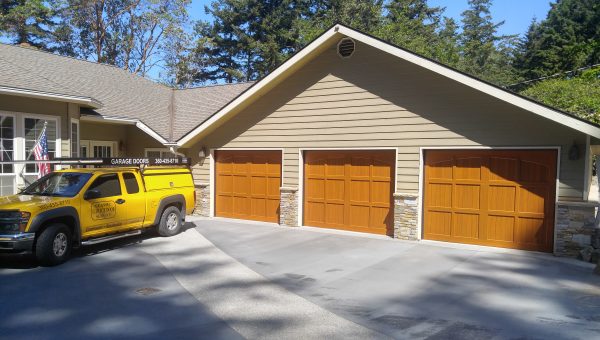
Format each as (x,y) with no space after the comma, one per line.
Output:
(78,207)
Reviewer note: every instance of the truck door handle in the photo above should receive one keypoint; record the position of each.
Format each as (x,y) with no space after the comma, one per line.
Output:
(120,201)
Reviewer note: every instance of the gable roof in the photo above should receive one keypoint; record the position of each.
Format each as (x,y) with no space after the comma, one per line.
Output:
(112,94)
(338,31)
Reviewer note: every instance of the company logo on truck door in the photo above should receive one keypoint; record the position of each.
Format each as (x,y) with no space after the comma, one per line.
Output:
(103,210)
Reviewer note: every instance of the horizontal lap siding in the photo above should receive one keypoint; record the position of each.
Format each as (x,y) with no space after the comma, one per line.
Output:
(373,100)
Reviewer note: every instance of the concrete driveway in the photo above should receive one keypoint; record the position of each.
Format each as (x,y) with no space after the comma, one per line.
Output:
(421,290)
(225,280)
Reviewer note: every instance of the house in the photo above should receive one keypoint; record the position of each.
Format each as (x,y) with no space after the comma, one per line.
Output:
(349,133)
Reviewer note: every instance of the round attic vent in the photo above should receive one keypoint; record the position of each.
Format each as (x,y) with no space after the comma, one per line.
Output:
(345,48)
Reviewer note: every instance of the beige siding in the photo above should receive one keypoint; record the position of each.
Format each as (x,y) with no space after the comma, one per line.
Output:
(374,100)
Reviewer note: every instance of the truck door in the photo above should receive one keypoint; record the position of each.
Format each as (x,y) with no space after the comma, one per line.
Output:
(104,211)
(135,200)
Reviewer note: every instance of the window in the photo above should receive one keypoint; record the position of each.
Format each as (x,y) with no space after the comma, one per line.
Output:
(65,184)
(102,151)
(107,185)
(158,153)
(131,183)
(7,152)
(33,130)
(74,138)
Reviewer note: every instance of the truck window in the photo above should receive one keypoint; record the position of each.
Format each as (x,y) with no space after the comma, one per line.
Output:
(131,183)
(108,185)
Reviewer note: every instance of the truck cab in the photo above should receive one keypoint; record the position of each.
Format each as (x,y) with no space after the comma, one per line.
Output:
(78,207)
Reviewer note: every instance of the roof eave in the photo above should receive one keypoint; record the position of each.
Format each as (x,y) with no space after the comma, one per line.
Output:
(84,101)
(126,121)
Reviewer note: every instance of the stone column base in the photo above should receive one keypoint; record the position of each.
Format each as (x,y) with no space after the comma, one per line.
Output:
(406,210)
(288,206)
(202,200)
(575,229)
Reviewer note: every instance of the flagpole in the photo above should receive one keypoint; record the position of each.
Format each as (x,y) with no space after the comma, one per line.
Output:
(38,140)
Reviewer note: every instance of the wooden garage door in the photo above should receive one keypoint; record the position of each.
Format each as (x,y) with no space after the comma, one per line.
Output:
(247,184)
(501,198)
(350,190)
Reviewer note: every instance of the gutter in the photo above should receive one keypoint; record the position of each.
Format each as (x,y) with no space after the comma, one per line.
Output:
(85,101)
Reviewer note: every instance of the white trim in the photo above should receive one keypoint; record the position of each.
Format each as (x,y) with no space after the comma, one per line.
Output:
(58,140)
(139,124)
(300,212)
(337,30)
(87,101)
(74,121)
(450,148)
(587,170)
(213,170)
(212,183)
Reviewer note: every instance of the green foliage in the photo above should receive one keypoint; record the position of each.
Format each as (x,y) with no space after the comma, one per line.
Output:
(27,22)
(580,95)
(568,39)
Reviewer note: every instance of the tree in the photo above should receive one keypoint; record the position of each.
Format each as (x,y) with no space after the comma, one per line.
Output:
(246,39)
(413,25)
(27,22)
(484,53)
(579,95)
(363,15)
(568,39)
(124,33)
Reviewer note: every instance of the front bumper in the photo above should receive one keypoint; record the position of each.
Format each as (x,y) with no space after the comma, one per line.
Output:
(15,243)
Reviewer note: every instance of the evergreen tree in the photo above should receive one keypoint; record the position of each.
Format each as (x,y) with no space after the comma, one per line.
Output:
(28,22)
(413,25)
(569,38)
(484,53)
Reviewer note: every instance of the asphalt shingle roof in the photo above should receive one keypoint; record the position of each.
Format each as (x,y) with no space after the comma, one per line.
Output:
(122,94)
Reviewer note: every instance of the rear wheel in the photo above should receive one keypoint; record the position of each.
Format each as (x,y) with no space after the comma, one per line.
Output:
(53,245)
(170,222)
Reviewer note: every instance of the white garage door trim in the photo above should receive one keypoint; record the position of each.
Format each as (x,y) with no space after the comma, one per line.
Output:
(450,148)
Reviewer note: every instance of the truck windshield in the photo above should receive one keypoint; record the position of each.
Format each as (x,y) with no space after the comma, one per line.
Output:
(62,184)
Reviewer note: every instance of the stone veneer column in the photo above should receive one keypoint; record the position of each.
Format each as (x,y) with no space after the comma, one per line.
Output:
(288,206)
(406,209)
(575,227)
(202,200)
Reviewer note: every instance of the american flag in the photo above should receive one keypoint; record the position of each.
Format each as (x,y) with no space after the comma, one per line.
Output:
(40,153)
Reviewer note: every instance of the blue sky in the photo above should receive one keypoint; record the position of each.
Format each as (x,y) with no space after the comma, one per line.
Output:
(517,14)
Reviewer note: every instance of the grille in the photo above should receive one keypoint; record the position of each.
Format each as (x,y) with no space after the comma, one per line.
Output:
(346,47)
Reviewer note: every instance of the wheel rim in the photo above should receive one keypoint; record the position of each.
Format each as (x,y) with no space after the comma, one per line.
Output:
(172,222)
(60,244)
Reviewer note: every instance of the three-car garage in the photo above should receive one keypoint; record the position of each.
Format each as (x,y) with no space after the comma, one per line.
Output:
(503,198)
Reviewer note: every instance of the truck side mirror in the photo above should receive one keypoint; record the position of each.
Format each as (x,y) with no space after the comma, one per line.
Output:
(91,194)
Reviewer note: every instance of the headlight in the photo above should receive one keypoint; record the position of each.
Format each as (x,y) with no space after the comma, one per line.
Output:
(24,220)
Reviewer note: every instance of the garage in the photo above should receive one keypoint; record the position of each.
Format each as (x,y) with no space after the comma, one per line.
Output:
(349,190)
(247,184)
(501,198)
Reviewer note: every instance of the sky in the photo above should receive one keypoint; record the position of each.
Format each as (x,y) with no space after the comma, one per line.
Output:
(517,14)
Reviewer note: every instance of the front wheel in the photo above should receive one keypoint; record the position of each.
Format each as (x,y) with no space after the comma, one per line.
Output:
(53,246)
(170,222)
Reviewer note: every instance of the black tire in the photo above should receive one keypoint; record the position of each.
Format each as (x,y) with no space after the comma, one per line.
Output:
(53,245)
(170,222)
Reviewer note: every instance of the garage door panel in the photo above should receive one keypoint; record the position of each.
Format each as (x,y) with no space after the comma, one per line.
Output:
(439,223)
(466,196)
(439,195)
(335,190)
(500,228)
(357,189)
(380,193)
(468,168)
(465,225)
(499,197)
(247,184)
(503,169)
